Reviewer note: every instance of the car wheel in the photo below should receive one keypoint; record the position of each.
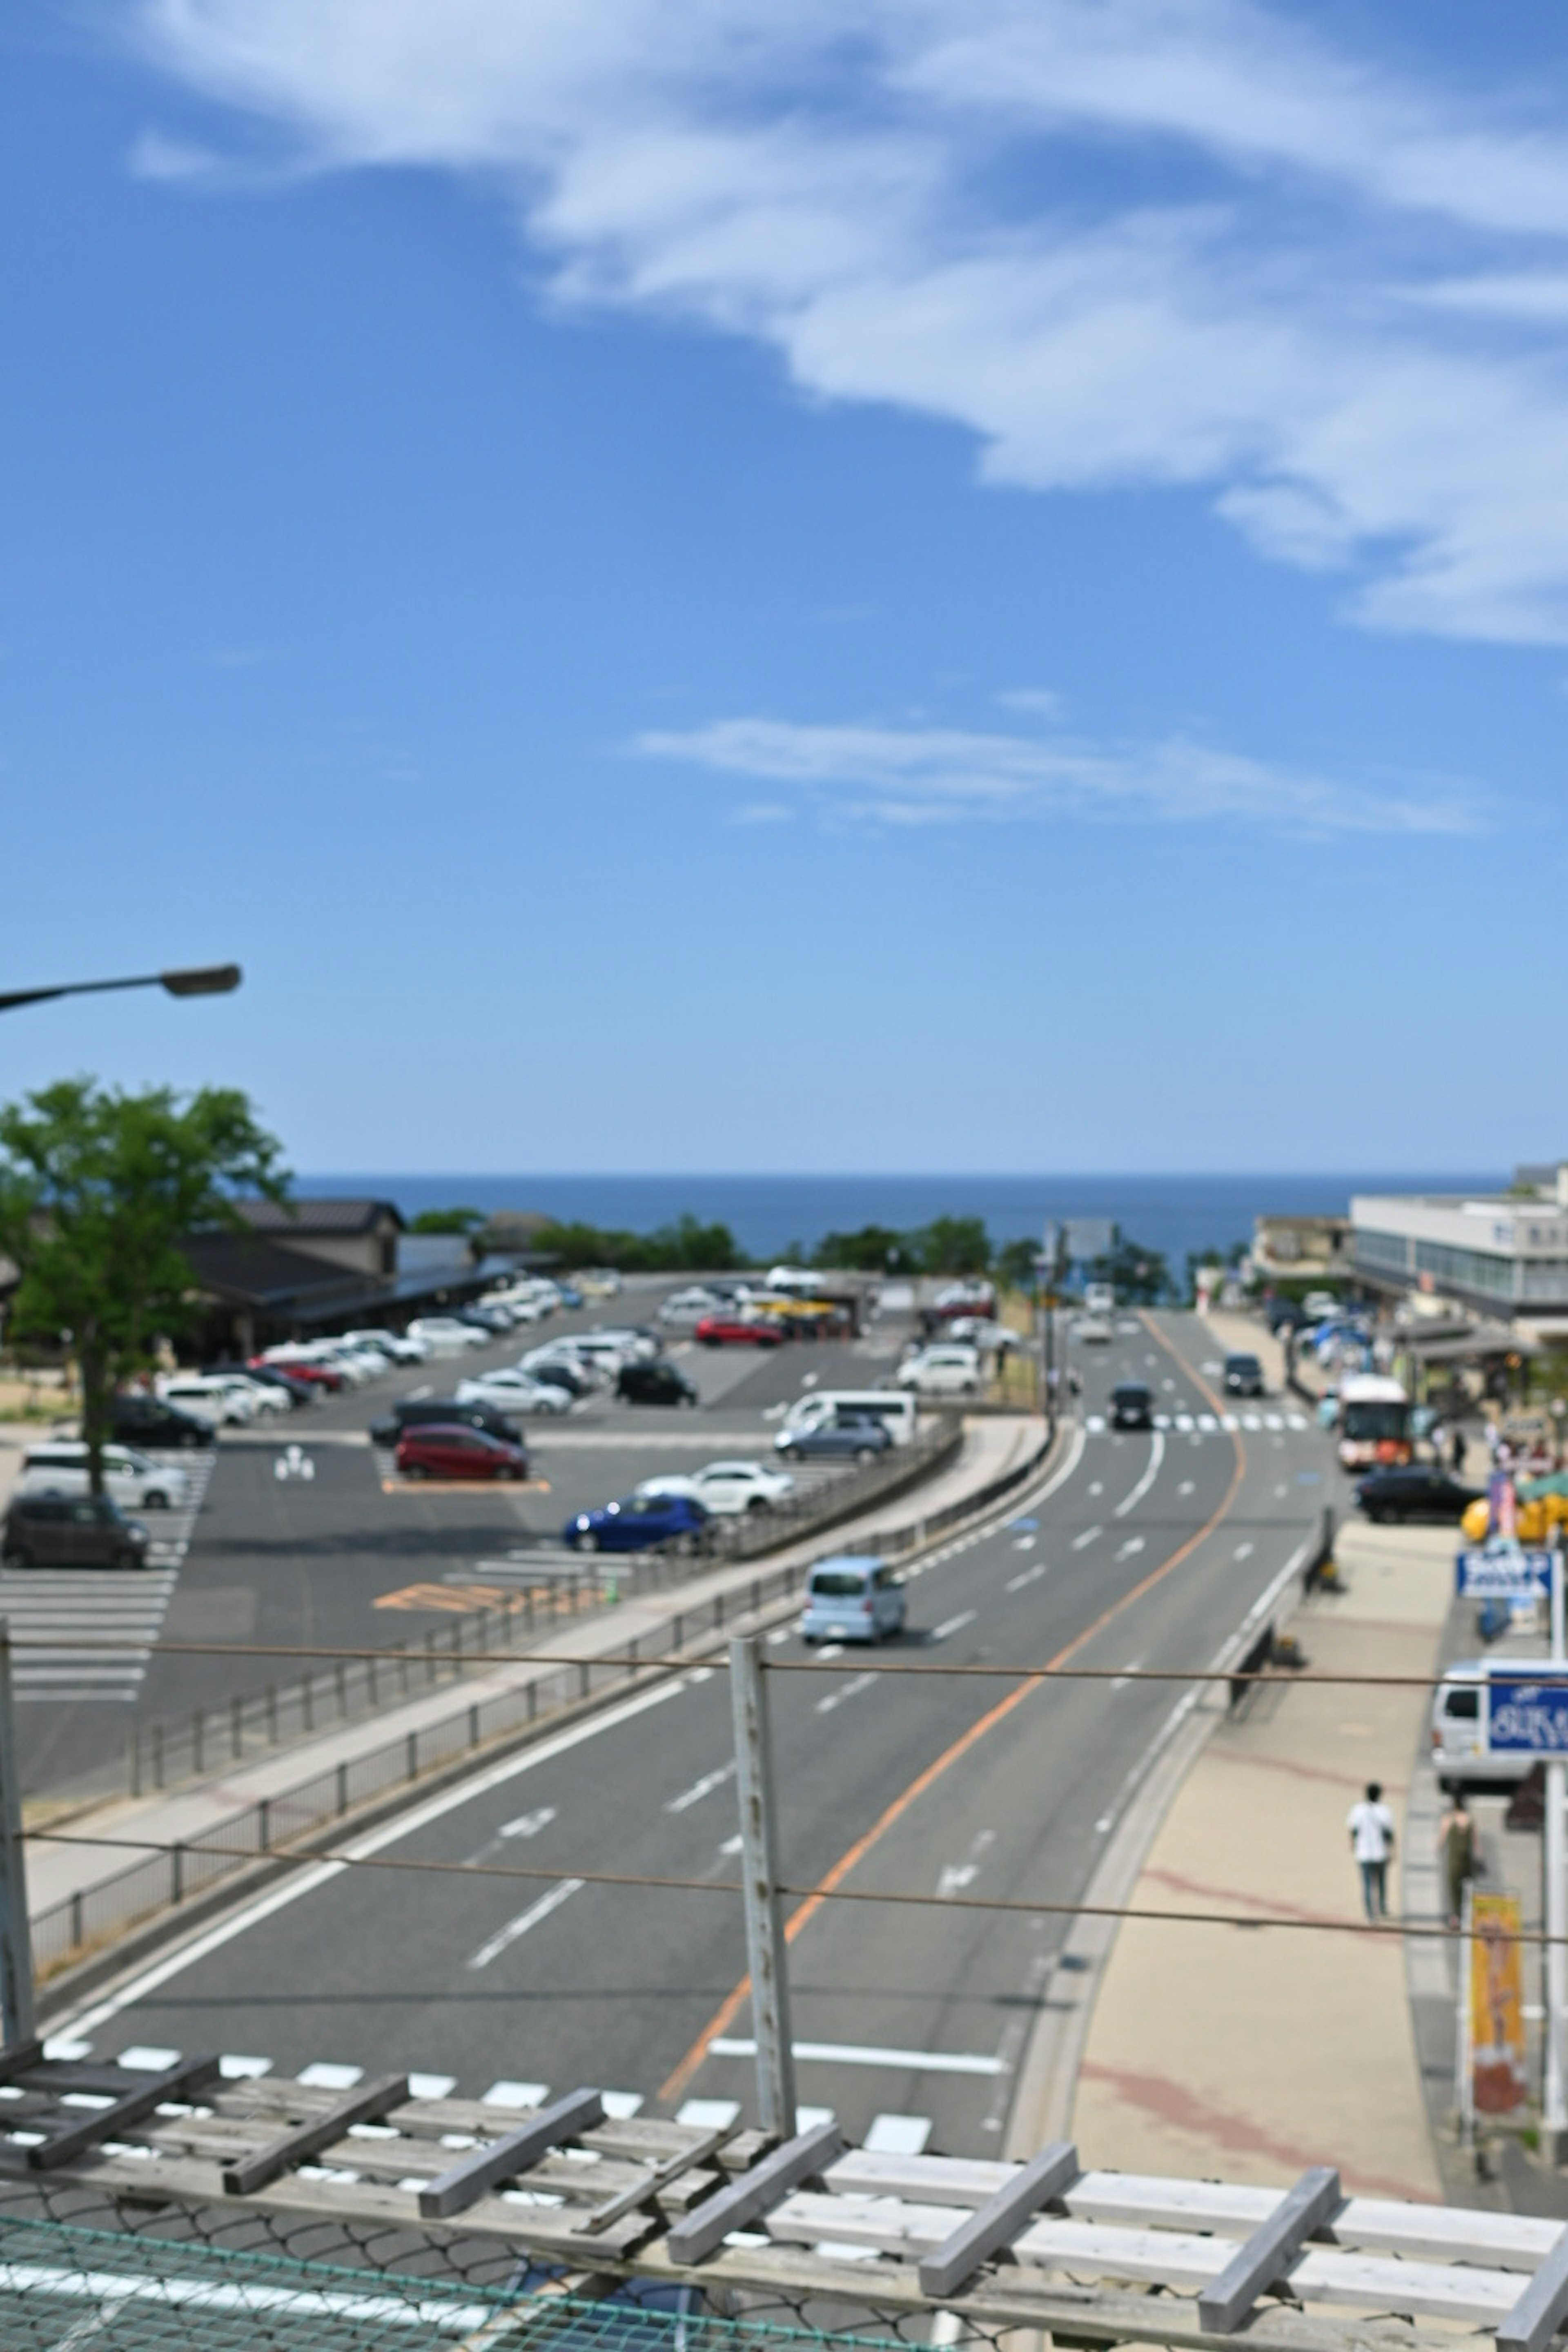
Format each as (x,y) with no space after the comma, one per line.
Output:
(685,1547)
(416,1470)
(585,1542)
(20,1558)
(154,1502)
(757,1503)
(865,1454)
(792,1454)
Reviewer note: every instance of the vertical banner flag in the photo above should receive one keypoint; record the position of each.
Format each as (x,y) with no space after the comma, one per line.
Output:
(1503,1505)
(1497,2004)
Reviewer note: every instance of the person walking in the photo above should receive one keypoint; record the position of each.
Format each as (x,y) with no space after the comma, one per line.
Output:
(1370,1827)
(1457,1850)
(1457,1450)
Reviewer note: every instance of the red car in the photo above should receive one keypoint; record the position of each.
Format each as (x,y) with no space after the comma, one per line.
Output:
(433,1449)
(731,1331)
(315,1376)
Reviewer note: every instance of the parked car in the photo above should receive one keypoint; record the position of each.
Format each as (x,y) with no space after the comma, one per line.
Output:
(731,1331)
(1288,1315)
(1243,1375)
(727,1489)
(597,1282)
(941,1371)
(59,1466)
(438,1449)
(214,1400)
(559,1372)
(657,1383)
(568,1295)
(844,1439)
(513,1392)
(853,1599)
(71,1531)
(396,1346)
(684,1309)
(974,1296)
(294,1393)
(487,1315)
(562,1356)
(1094,1328)
(445,1336)
(640,1523)
(416,1413)
(137,1419)
(1418,1490)
(323,1380)
(984,1332)
(1131,1405)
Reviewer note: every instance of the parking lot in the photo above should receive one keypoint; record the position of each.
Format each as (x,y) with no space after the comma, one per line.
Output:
(330,1548)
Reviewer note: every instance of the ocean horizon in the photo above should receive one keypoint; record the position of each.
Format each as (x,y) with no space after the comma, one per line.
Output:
(772,1216)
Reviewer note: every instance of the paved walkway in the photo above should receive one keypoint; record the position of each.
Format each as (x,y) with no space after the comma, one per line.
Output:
(992,1444)
(1212,2052)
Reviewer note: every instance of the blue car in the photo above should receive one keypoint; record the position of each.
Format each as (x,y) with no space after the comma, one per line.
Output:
(570,1297)
(640,1523)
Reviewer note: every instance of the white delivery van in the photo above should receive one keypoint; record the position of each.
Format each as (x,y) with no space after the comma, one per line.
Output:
(1463,1755)
(896,1409)
(1098,1298)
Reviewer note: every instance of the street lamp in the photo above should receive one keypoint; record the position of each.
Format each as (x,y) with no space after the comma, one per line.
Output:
(206,980)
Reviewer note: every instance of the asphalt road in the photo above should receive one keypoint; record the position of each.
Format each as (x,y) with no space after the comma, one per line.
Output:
(336,1560)
(1147,1550)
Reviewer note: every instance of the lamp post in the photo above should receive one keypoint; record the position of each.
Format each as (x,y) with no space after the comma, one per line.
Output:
(204,980)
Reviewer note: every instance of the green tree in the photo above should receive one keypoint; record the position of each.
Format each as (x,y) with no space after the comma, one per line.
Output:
(1015,1264)
(954,1245)
(447,1221)
(98,1191)
(875,1249)
(1140,1276)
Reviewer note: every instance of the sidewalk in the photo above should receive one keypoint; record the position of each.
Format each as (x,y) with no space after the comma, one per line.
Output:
(1247,2057)
(992,1446)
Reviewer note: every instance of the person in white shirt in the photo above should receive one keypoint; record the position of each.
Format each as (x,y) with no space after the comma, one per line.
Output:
(1370,1827)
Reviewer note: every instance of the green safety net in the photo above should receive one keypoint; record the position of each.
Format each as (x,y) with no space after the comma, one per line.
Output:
(66,2288)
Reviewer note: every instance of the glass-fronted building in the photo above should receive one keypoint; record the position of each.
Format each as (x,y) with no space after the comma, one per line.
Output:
(1504,1254)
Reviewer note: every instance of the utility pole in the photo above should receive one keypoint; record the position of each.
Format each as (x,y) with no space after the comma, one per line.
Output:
(766,1952)
(16,1935)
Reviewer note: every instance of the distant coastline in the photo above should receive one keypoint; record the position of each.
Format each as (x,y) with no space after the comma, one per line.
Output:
(768,1214)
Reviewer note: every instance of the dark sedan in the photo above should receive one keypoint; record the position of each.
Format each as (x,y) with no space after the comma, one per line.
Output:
(434,1449)
(1421,1491)
(657,1383)
(1131,1405)
(838,1441)
(138,1420)
(640,1523)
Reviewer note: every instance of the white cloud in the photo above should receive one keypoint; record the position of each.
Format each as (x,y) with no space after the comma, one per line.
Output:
(1122,242)
(927,774)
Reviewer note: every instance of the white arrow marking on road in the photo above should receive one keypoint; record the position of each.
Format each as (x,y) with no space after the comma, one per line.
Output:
(957,1877)
(1156,1456)
(1088,1536)
(529,1825)
(701,1789)
(514,1928)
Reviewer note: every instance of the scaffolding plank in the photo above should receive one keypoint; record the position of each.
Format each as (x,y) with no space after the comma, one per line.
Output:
(662,2175)
(366,2105)
(1537,2316)
(1268,2252)
(20,2059)
(109,2123)
(466,2180)
(998,2222)
(755,2193)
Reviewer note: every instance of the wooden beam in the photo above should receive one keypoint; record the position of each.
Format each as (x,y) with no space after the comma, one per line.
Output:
(1268,2253)
(999,2220)
(1537,2316)
(755,2192)
(466,2180)
(366,2105)
(109,2121)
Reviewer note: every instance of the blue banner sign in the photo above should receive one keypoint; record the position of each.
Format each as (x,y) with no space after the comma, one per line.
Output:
(1502,1572)
(1528,1717)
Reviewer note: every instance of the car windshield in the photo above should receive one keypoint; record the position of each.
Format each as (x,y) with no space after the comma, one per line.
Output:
(838,1584)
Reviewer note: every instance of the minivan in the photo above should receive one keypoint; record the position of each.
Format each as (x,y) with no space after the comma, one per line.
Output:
(853,1598)
(59,1468)
(1243,1376)
(71,1531)
(896,1409)
(1131,1405)
(1462,1753)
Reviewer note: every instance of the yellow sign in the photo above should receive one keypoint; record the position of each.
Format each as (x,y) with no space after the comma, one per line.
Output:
(1497,2004)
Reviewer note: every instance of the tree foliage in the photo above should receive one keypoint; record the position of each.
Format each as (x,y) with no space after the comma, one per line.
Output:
(1140,1276)
(447,1221)
(687,1246)
(874,1249)
(98,1191)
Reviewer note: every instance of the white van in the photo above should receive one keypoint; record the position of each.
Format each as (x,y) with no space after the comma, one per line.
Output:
(1462,1752)
(211,1398)
(130,1479)
(896,1409)
(943,1371)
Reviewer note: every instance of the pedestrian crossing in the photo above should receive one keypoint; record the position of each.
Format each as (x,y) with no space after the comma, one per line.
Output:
(105,1621)
(1205,1424)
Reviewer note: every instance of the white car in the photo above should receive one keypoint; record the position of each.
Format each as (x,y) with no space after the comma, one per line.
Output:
(59,1466)
(445,1336)
(981,1331)
(224,1403)
(262,1393)
(684,1309)
(512,1392)
(598,1282)
(942,1371)
(397,1347)
(1094,1328)
(727,1489)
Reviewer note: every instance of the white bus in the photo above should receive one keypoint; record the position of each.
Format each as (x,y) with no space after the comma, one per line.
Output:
(1375,1422)
(896,1410)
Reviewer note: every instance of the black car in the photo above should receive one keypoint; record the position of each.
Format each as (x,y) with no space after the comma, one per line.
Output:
(298,1393)
(71,1531)
(1131,1405)
(1287,1315)
(1243,1376)
(558,1374)
(409,1411)
(655,1384)
(1424,1490)
(844,1439)
(138,1419)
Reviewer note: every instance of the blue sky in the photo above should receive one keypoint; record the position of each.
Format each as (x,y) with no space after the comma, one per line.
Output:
(970,585)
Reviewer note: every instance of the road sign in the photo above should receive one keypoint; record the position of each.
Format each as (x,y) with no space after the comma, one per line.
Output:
(1503,1572)
(1089,1237)
(1528,1717)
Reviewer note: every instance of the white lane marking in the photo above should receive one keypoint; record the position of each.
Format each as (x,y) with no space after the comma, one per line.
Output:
(323,2074)
(779,1634)
(1095,1425)
(506,1937)
(1294,1421)
(1161,1421)
(527,1825)
(851,1689)
(851,2054)
(898,2136)
(244,2070)
(1272,1420)
(64,2046)
(374,1841)
(1119,1682)
(441,2086)
(956,1877)
(701,1789)
(954,1624)
(1089,1534)
(1206,1420)
(1185,1487)
(515,2095)
(806,2119)
(1251,1421)
(1280,1492)
(831,1650)
(1214,1370)
(708,2114)
(1167,1384)
(1227,1421)
(1242,1551)
(1126,1550)
(1025,1543)
(1029,1576)
(733,1846)
(144,2059)
(619,2105)
(1156,1456)
(1184,1421)
(1098,1487)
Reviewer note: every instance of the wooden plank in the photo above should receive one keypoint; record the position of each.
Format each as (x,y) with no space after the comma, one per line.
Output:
(20,2059)
(110,2122)
(927,2179)
(997,2223)
(365,2105)
(638,2192)
(1269,2252)
(1534,2319)
(467,2179)
(755,2194)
